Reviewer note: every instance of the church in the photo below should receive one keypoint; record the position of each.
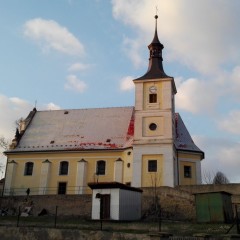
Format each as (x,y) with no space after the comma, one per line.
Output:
(146,145)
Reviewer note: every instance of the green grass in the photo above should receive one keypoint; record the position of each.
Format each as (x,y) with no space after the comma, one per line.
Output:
(145,227)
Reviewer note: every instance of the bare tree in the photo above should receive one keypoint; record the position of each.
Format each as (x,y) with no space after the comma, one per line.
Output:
(3,143)
(220,178)
(17,123)
(214,177)
(208,176)
(3,146)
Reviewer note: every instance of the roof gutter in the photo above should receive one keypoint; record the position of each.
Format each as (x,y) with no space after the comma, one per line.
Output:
(67,151)
(192,151)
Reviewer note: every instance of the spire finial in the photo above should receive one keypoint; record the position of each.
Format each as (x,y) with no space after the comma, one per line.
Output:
(155,67)
(156,17)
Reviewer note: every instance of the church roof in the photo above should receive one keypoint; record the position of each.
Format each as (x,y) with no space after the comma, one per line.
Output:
(89,129)
(155,66)
(79,129)
(183,140)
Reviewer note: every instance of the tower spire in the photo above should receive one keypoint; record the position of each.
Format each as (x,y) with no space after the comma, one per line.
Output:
(155,67)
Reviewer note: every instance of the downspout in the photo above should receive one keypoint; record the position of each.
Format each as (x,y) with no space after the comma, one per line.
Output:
(4,181)
(178,180)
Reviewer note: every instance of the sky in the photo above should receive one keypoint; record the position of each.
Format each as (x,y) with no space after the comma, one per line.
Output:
(70,54)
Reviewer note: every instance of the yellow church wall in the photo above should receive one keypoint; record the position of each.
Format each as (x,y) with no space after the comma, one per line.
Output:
(22,182)
(127,166)
(159,121)
(149,179)
(196,156)
(187,180)
(146,104)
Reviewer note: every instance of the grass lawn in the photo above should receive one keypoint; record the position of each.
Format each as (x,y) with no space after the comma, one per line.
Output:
(175,228)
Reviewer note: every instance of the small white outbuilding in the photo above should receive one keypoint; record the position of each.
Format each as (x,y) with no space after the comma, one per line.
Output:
(115,201)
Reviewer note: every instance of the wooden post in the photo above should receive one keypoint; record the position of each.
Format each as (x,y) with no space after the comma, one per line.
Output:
(237,219)
(18,218)
(55,222)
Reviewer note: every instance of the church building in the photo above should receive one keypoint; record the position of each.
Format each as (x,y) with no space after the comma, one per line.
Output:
(146,145)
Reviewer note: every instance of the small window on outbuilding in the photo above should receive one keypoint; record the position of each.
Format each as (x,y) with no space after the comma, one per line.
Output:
(152,165)
(152,98)
(101,167)
(28,169)
(63,170)
(187,171)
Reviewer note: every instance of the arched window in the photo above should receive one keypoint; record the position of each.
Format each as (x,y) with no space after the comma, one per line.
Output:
(63,170)
(101,166)
(28,169)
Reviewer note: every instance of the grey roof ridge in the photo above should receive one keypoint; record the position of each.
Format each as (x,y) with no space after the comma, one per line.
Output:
(76,109)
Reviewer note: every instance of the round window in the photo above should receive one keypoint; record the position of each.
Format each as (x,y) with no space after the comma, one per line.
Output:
(153,126)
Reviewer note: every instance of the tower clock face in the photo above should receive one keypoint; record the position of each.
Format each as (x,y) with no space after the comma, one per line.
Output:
(153,89)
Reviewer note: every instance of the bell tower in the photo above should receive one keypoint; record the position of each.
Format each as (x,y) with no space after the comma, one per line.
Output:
(153,146)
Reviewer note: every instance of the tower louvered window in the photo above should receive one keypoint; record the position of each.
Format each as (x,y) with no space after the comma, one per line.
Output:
(152,98)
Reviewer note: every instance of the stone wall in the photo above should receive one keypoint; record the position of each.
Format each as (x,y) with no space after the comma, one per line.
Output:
(20,233)
(233,188)
(175,204)
(67,205)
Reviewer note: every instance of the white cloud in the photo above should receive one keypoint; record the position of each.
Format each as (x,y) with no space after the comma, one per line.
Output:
(12,109)
(231,123)
(126,83)
(50,35)
(78,67)
(220,155)
(132,49)
(196,96)
(52,106)
(233,81)
(73,83)
(201,41)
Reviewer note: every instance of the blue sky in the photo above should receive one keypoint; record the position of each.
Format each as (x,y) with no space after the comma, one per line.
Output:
(67,54)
